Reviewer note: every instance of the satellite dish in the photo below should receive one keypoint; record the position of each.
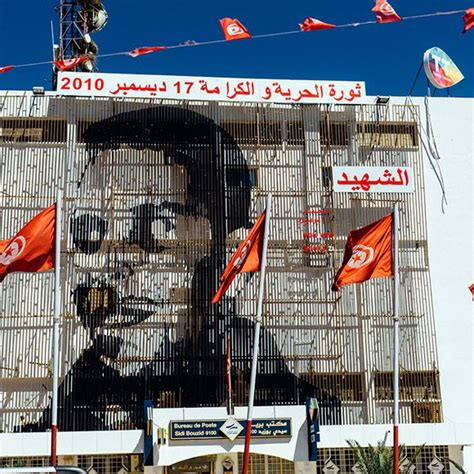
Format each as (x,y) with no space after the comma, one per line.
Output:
(98,20)
(440,69)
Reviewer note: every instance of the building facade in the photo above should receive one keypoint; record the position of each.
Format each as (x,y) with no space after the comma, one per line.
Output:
(157,195)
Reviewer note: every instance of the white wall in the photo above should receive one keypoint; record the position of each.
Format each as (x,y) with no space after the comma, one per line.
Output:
(450,247)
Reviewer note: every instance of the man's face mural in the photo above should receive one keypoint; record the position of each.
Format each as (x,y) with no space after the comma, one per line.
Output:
(159,191)
(156,193)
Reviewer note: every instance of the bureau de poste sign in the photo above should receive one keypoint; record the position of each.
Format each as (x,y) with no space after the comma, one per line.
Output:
(210,88)
(218,429)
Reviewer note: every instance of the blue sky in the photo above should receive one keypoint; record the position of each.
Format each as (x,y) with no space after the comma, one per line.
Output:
(386,57)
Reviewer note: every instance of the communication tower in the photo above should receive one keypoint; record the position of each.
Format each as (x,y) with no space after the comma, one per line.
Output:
(78,19)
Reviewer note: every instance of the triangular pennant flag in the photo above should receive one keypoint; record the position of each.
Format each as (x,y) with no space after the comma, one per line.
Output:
(468,19)
(233,29)
(246,259)
(67,64)
(32,248)
(312,24)
(6,68)
(368,254)
(385,12)
(145,50)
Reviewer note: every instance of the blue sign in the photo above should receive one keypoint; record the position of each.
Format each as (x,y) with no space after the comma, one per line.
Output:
(312,419)
(211,429)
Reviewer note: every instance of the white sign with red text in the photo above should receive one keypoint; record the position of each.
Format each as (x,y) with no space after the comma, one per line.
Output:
(373,179)
(210,88)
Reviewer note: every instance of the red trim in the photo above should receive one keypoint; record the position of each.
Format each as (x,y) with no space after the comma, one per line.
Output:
(54,435)
(248,433)
(395,449)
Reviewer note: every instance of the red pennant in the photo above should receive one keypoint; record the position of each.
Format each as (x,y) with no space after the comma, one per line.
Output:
(311,24)
(233,29)
(385,12)
(67,64)
(6,68)
(468,19)
(145,50)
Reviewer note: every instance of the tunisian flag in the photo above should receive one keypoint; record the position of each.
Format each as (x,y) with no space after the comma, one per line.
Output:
(32,248)
(385,12)
(67,64)
(233,29)
(145,50)
(6,69)
(312,24)
(246,259)
(368,254)
(468,20)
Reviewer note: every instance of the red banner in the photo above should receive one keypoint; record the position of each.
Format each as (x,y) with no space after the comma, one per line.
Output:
(233,29)
(312,24)
(385,12)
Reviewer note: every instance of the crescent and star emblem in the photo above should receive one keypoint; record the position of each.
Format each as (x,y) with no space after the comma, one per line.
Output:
(13,250)
(361,256)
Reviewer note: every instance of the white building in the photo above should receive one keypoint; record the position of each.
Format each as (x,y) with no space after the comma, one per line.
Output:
(340,348)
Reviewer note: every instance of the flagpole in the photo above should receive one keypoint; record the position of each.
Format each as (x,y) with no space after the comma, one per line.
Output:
(395,338)
(57,311)
(228,369)
(256,340)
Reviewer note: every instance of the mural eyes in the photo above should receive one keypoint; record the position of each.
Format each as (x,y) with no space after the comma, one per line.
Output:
(148,224)
(88,232)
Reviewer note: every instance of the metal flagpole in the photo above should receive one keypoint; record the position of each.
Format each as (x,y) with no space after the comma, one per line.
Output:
(256,339)
(57,311)
(228,373)
(395,337)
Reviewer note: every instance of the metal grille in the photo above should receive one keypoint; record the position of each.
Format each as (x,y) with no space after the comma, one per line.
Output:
(157,197)
(342,458)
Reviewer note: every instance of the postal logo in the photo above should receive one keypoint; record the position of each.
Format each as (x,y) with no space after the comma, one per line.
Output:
(361,256)
(231,428)
(13,250)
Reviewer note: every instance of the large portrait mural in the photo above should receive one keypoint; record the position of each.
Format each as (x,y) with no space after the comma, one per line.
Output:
(156,193)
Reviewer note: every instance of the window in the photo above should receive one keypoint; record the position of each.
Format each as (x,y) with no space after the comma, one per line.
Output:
(266,134)
(334,133)
(414,385)
(397,135)
(32,130)
(343,386)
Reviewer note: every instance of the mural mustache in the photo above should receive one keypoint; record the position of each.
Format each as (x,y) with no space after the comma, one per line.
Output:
(158,191)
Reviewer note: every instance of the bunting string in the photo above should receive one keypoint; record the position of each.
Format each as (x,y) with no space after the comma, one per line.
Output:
(243,33)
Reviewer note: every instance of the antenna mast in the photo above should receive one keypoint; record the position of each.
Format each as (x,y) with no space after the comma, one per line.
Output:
(79,18)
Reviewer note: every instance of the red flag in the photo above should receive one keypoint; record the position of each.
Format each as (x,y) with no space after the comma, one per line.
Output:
(233,29)
(385,12)
(246,259)
(311,24)
(468,19)
(368,254)
(67,64)
(32,248)
(228,365)
(6,68)
(145,50)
